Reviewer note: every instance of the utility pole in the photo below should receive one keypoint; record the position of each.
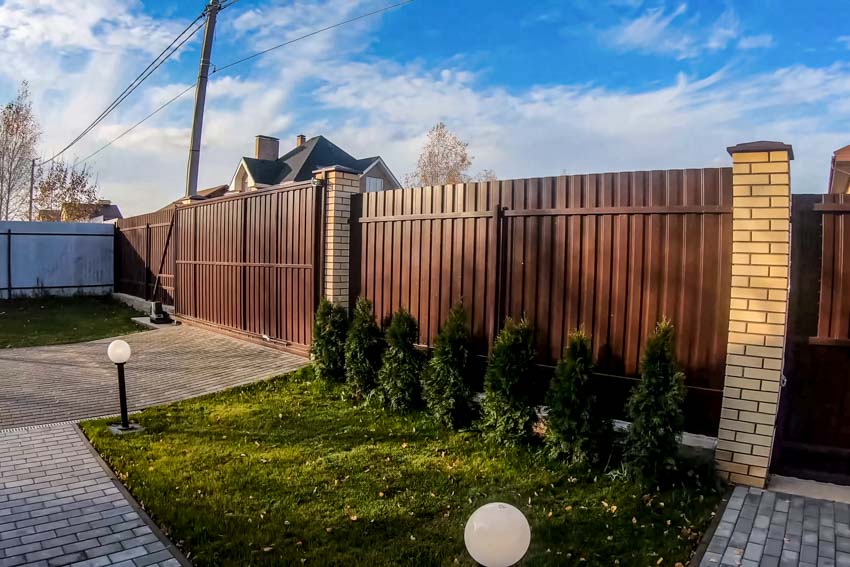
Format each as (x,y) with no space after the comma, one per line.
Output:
(32,185)
(212,10)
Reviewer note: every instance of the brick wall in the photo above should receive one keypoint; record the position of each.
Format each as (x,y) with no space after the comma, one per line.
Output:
(341,185)
(759,305)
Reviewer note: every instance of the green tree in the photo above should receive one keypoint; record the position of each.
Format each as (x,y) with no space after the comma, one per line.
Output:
(328,350)
(507,412)
(445,389)
(655,408)
(577,427)
(401,364)
(363,349)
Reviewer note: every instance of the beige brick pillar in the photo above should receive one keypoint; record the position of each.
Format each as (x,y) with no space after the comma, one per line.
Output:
(760,260)
(340,185)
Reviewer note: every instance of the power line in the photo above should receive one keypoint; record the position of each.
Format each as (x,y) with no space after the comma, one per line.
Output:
(136,125)
(190,87)
(312,33)
(147,72)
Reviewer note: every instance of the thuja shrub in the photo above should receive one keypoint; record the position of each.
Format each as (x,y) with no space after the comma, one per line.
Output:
(401,364)
(328,349)
(507,412)
(363,349)
(655,408)
(577,428)
(445,388)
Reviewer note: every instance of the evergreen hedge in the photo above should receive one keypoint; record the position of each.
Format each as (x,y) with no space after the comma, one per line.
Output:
(445,387)
(576,427)
(401,364)
(328,349)
(655,408)
(507,412)
(363,349)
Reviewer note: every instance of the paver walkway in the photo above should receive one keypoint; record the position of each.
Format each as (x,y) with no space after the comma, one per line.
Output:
(58,506)
(59,383)
(769,529)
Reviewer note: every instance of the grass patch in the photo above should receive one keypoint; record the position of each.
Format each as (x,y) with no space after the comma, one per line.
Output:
(283,471)
(26,322)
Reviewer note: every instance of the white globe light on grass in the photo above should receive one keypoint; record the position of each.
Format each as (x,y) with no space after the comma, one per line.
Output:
(497,535)
(119,351)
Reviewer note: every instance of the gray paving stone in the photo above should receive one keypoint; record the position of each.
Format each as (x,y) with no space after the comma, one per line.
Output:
(168,365)
(77,502)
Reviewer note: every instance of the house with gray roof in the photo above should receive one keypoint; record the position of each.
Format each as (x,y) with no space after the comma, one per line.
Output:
(269,169)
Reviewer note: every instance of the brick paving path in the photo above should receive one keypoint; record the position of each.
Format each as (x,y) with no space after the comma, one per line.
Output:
(58,506)
(768,529)
(59,383)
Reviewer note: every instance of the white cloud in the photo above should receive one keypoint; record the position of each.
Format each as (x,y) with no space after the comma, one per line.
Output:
(653,32)
(725,29)
(756,41)
(845,39)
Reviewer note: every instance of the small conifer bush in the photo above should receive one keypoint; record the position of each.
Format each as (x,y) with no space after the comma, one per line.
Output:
(577,427)
(328,349)
(362,351)
(445,388)
(507,412)
(655,408)
(401,364)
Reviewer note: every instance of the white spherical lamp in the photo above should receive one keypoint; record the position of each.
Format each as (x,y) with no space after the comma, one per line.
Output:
(497,535)
(119,351)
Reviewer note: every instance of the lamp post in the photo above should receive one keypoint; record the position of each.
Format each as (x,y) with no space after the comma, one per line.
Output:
(497,535)
(119,353)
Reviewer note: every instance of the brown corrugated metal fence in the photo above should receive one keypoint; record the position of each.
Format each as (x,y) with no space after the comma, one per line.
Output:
(609,253)
(834,314)
(140,244)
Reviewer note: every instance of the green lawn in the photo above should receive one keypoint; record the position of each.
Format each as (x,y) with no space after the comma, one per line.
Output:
(281,472)
(57,320)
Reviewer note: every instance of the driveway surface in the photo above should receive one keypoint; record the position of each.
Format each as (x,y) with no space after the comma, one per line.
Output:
(54,384)
(768,529)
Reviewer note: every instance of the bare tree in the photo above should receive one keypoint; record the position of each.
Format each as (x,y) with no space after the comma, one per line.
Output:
(67,188)
(444,159)
(19,133)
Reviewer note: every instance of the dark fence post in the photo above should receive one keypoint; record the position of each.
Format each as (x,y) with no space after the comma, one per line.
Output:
(9,264)
(354,251)
(147,260)
(319,242)
(498,259)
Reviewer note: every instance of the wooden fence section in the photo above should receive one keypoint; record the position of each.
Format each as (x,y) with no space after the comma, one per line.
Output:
(609,253)
(245,264)
(834,313)
(140,244)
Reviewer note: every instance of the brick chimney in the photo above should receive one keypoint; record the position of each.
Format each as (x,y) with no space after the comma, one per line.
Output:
(266,147)
(299,140)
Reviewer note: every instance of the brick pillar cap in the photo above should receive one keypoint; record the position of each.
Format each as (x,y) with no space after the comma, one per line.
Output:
(341,168)
(761,146)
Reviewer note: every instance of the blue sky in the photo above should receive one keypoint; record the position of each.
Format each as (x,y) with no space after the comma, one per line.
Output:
(536,88)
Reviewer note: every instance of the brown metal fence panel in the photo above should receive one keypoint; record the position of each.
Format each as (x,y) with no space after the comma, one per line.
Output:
(141,243)
(245,264)
(609,253)
(834,314)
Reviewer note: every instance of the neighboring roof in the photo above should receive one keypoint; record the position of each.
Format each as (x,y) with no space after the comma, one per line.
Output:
(208,193)
(299,163)
(111,212)
(762,146)
(839,172)
(53,215)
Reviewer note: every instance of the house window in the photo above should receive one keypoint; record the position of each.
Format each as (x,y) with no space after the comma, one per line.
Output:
(243,183)
(374,184)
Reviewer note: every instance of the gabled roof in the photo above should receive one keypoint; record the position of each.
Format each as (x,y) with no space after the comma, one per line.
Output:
(299,163)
